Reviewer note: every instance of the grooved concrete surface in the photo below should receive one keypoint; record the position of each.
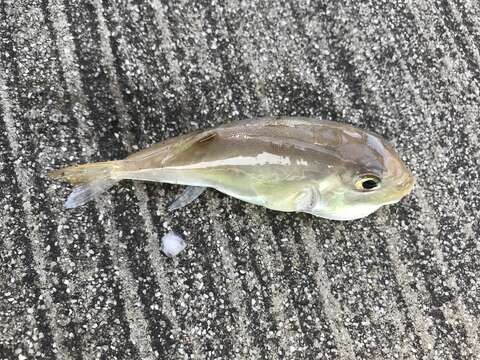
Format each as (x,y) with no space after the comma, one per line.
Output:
(93,80)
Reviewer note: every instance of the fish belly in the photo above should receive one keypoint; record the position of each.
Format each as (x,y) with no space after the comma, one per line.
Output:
(276,195)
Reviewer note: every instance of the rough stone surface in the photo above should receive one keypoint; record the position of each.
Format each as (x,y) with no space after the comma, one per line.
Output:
(93,80)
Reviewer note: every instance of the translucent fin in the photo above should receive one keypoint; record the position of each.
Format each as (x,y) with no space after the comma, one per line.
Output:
(84,193)
(172,147)
(79,174)
(89,179)
(307,199)
(186,197)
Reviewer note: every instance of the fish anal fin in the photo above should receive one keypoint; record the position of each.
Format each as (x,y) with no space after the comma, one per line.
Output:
(190,194)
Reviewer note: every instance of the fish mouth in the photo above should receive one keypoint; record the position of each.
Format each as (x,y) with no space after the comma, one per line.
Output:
(400,191)
(411,183)
(407,185)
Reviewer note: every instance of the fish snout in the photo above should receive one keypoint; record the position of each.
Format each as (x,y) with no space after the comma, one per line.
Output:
(406,184)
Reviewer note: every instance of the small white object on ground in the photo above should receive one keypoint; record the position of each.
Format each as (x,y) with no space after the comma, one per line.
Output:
(172,244)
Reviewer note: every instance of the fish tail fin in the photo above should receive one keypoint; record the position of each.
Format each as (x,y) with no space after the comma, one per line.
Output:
(90,180)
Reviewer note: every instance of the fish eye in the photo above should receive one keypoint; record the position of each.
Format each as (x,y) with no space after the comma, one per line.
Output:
(368,183)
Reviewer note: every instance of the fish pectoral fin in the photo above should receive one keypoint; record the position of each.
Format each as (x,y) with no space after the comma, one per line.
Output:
(190,194)
(306,199)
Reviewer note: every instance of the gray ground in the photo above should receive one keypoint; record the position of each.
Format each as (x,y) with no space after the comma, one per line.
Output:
(94,80)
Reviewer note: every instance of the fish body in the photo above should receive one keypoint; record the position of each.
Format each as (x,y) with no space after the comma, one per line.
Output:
(292,164)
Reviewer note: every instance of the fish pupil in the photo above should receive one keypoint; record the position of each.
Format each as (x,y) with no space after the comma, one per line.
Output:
(369,184)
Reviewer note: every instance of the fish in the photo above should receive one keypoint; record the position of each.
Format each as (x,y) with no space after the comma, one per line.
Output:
(328,169)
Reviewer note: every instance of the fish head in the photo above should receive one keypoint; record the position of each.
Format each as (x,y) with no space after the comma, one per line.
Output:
(371,175)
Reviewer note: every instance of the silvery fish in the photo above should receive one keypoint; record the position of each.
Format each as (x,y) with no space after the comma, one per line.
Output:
(328,169)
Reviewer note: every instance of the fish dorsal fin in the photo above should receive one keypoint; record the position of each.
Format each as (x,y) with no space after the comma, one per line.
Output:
(209,136)
(182,146)
(174,146)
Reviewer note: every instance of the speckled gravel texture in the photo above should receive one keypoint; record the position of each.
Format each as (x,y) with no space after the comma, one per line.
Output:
(94,80)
